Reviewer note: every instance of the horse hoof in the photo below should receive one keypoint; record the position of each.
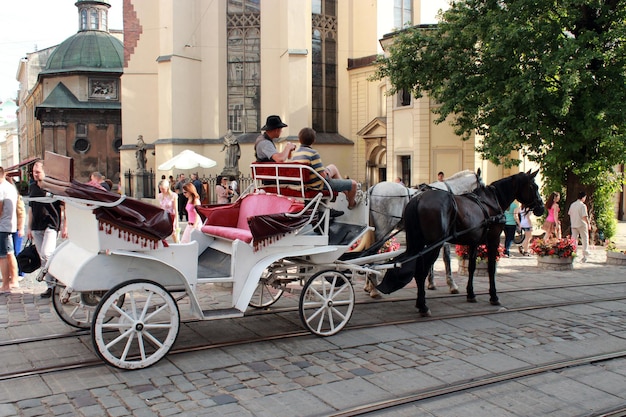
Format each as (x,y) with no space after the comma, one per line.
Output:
(454,290)
(431,287)
(375,294)
(471,300)
(495,303)
(425,313)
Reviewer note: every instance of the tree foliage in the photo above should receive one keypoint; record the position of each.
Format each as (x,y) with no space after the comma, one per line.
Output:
(545,77)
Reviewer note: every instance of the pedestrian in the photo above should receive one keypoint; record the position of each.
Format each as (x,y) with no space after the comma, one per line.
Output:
(198,184)
(579,221)
(511,223)
(96,179)
(193,220)
(446,260)
(182,200)
(526,224)
(20,212)
(264,147)
(45,221)
(552,225)
(223,191)
(8,226)
(305,153)
(168,201)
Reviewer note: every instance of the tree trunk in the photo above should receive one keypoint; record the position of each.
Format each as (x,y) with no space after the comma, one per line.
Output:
(573,187)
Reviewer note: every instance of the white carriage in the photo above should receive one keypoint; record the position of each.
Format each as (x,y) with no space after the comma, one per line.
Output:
(117,275)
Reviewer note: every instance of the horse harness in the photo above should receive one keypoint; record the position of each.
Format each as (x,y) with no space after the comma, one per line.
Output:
(488,221)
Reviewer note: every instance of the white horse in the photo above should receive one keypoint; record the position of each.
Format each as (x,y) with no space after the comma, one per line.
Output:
(388,199)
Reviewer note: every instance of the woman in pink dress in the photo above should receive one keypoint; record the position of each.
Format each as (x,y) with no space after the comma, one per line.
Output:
(193,220)
(551,225)
(168,201)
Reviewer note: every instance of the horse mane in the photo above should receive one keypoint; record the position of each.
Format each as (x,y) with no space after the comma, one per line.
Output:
(459,174)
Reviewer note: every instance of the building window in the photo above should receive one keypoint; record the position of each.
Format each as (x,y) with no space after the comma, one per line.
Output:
(93,19)
(405,167)
(83,19)
(244,65)
(402,13)
(81,145)
(404,97)
(103,19)
(324,61)
(81,130)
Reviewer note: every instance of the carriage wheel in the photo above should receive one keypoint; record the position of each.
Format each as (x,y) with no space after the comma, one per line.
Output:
(326,303)
(138,332)
(266,293)
(78,310)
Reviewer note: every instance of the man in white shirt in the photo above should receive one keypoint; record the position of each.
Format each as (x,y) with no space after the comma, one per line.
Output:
(8,225)
(579,220)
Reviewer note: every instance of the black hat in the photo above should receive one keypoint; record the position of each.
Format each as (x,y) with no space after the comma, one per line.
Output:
(273,122)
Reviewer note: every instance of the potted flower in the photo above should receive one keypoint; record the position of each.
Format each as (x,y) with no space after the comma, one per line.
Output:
(390,245)
(615,256)
(462,252)
(555,254)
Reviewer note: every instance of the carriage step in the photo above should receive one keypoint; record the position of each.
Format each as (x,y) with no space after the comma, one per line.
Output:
(226,313)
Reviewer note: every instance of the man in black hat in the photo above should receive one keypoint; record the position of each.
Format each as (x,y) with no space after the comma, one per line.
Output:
(264,147)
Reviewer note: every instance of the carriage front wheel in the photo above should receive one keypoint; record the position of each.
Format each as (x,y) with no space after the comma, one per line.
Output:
(135,324)
(266,292)
(326,303)
(76,309)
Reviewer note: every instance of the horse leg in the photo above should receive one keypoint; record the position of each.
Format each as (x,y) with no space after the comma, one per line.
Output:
(422,266)
(431,279)
(491,269)
(454,289)
(370,287)
(421,296)
(471,267)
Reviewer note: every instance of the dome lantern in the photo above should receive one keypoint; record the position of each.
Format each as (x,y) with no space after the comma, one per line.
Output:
(93,15)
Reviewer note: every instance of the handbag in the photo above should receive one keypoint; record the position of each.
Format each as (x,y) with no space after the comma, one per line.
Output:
(28,259)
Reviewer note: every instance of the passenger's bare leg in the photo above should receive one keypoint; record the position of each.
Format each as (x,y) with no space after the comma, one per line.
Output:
(351,195)
(333,172)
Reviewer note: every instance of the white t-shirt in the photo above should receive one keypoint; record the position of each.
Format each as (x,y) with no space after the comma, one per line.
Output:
(577,211)
(8,217)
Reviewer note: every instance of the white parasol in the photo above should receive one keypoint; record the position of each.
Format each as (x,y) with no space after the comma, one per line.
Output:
(187,159)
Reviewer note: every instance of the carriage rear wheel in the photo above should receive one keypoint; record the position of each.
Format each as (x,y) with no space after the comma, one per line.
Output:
(138,332)
(78,309)
(266,292)
(326,303)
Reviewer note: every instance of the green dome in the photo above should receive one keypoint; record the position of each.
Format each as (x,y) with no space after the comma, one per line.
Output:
(89,50)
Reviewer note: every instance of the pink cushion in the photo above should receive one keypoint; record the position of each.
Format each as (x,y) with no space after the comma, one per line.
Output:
(259,204)
(220,220)
(231,233)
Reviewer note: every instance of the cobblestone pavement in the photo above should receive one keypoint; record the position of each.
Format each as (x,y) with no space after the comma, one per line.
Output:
(315,376)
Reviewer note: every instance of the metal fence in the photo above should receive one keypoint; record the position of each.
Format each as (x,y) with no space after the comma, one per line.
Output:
(148,188)
(139,184)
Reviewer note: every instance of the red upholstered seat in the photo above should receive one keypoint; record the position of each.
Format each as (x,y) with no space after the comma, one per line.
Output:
(231,220)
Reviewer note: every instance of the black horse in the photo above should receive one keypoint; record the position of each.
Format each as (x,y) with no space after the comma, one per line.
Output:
(472,219)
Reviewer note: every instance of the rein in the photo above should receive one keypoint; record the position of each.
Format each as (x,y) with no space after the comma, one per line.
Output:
(488,220)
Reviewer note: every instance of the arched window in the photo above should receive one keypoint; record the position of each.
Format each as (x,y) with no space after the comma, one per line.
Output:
(324,61)
(244,65)
(93,19)
(83,19)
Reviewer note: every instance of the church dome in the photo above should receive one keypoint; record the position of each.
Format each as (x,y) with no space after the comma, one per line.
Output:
(90,50)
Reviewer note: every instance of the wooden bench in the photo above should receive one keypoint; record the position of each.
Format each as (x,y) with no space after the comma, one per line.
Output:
(288,179)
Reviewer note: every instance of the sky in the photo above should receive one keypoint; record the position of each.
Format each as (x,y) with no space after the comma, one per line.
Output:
(31,25)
